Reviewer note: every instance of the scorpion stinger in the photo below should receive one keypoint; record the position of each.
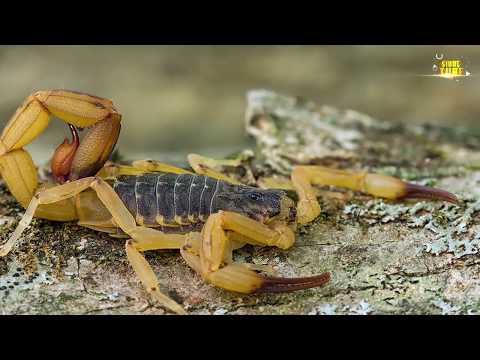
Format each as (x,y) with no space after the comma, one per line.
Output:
(32,118)
(62,159)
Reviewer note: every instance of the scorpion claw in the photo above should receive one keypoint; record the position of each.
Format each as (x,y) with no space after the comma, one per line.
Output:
(414,191)
(280,285)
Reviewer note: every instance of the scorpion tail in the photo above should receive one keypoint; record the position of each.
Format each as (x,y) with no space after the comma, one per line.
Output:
(280,285)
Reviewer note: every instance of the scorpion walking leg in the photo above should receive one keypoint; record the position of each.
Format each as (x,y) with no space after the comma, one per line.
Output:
(157,166)
(216,241)
(242,278)
(201,165)
(303,177)
(139,167)
(235,241)
(143,238)
(44,197)
(204,166)
(215,251)
(146,275)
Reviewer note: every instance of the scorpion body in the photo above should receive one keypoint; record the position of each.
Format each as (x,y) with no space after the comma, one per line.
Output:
(183,202)
(204,214)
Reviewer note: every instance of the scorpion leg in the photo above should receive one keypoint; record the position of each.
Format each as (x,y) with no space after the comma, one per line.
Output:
(235,241)
(242,278)
(139,167)
(157,166)
(204,166)
(215,250)
(148,278)
(215,238)
(48,196)
(142,238)
(308,208)
(200,164)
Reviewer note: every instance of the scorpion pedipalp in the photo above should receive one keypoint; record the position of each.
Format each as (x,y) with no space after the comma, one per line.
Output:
(414,191)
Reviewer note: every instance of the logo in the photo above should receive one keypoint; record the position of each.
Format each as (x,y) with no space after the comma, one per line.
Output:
(449,68)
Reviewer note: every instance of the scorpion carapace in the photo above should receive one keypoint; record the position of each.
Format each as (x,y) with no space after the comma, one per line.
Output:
(204,214)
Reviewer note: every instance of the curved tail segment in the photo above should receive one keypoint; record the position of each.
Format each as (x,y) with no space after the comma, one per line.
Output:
(72,161)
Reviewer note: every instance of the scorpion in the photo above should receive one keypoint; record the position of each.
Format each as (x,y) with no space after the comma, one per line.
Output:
(201,212)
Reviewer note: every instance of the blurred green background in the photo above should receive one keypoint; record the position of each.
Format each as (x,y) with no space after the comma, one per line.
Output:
(180,99)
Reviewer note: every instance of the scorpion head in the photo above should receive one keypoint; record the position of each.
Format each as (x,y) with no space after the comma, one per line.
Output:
(259,204)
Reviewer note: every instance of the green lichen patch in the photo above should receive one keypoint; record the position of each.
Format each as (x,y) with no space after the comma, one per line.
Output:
(453,229)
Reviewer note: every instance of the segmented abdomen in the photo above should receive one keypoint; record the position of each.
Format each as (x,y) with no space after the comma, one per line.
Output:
(168,199)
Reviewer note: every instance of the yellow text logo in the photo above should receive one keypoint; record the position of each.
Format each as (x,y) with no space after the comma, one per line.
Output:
(449,68)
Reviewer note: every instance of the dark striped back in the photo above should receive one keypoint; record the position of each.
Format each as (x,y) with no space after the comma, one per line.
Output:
(171,199)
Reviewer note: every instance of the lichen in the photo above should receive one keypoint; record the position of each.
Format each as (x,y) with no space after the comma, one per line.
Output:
(447,309)
(325,309)
(363,308)
(454,228)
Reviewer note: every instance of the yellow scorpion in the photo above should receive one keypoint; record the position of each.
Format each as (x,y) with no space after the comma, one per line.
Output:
(203,213)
